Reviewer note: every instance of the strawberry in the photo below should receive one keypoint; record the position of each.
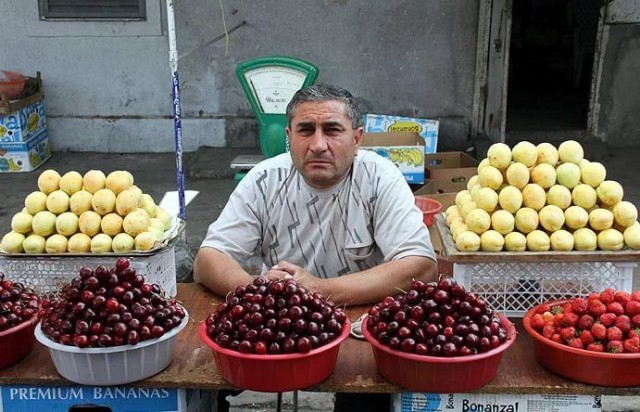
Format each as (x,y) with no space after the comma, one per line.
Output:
(615,307)
(556,309)
(595,347)
(557,319)
(634,332)
(570,319)
(547,316)
(607,319)
(567,307)
(614,333)
(632,345)
(557,338)
(548,330)
(599,331)
(607,296)
(635,295)
(576,343)
(635,320)
(623,323)
(586,337)
(632,308)
(615,346)
(545,307)
(580,306)
(537,321)
(593,296)
(596,308)
(622,297)
(585,322)
(568,333)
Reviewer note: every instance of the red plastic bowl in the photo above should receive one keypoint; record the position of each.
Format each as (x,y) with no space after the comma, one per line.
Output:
(13,84)
(276,373)
(17,342)
(581,365)
(434,374)
(430,208)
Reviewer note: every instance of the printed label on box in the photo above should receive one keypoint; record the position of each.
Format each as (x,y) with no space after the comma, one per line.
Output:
(428,129)
(464,402)
(24,156)
(23,124)
(65,398)
(409,159)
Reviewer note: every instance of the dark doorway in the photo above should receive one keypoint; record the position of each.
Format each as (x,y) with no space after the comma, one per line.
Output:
(550,64)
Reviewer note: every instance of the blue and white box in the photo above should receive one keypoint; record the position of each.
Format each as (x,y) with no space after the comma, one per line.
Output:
(24,156)
(113,398)
(23,124)
(428,129)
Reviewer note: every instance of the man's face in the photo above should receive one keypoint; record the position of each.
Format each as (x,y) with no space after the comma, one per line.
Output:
(323,143)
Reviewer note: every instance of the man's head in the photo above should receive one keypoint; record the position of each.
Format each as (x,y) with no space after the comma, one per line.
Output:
(324,133)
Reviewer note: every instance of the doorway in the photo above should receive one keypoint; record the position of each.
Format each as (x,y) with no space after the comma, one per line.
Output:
(550,64)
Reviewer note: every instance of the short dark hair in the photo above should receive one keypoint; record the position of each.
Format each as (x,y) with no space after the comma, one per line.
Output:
(326,92)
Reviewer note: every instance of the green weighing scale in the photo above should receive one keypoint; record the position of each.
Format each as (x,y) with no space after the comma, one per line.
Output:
(269,84)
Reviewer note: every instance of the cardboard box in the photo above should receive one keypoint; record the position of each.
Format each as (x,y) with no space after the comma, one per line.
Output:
(24,123)
(440,190)
(468,402)
(115,398)
(405,150)
(24,156)
(427,129)
(455,168)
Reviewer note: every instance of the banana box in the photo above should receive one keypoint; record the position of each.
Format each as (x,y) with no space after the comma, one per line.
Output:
(24,156)
(427,129)
(23,124)
(404,149)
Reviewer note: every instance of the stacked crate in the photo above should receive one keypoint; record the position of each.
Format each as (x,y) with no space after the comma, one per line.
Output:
(24,142)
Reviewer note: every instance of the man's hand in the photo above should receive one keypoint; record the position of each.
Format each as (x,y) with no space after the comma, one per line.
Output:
(285,270)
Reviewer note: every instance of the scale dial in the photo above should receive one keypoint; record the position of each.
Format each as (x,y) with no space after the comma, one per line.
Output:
(273,87)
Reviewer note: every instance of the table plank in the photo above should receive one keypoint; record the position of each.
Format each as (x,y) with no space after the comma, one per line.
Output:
(193,365)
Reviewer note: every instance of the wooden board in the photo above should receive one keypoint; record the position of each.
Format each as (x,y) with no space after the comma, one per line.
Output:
(454,255)
(355,371)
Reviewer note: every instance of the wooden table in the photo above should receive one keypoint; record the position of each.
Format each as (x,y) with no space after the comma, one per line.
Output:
(193,366)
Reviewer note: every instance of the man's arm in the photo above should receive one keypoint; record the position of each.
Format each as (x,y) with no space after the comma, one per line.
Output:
(368,286)
(218,272)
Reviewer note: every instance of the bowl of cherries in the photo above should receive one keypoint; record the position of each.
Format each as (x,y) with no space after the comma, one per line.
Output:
(109,327)
(275,336)
(437,338)
(19,306)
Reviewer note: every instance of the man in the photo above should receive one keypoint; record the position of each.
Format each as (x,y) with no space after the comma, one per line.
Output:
(340,220)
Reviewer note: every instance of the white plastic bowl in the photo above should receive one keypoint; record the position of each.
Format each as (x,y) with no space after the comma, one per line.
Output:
(116,365)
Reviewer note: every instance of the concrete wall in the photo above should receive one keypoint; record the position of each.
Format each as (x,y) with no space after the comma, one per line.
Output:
(618,121)
(108,84)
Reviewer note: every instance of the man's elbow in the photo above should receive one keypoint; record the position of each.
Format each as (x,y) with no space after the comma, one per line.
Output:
(427,270)
(198,268)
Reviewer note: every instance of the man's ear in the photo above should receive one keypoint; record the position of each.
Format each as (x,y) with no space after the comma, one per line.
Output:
(358,137)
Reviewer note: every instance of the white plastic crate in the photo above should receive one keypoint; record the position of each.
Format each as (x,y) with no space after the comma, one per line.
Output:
(45,274)
(512,288)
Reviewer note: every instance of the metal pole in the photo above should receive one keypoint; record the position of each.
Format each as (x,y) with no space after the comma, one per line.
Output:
(177,121)
(279,402)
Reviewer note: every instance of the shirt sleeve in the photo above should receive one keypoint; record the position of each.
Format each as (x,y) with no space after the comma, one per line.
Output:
(237,232)
(399,229)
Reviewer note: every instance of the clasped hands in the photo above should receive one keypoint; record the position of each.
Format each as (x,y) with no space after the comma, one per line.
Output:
(288,270)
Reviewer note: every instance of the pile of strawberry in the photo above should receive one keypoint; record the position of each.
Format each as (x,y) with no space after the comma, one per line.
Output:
(608,321)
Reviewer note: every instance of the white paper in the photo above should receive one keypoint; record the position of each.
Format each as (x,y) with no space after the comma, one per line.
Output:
(171,204)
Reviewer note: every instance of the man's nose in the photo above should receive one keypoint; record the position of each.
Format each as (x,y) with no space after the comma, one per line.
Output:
(318,141)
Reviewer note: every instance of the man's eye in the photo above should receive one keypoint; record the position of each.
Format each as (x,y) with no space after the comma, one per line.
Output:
(305,131)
